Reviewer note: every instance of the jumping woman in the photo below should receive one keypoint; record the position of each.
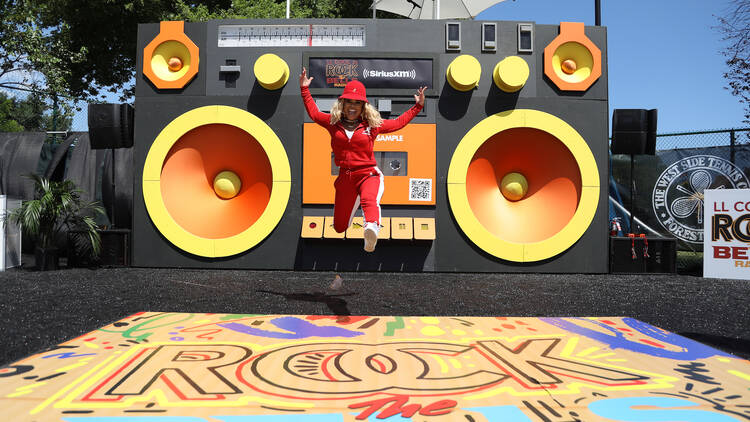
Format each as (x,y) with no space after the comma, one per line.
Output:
(354,124)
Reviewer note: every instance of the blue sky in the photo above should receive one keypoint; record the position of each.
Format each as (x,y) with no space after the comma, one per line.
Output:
(663,54)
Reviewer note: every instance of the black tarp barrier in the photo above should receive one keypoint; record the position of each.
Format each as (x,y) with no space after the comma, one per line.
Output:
(19,156)
(669,187)
(54,167)
(119,209)
(23,153)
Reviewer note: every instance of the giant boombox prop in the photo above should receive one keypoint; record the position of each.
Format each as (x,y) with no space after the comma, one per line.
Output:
(503,170)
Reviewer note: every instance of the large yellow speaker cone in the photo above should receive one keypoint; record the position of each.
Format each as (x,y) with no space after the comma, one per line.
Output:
(179,177)
(188,185)
(553,187)
(486,185)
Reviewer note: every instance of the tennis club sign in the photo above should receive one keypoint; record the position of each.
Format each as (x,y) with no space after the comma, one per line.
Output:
(678,193)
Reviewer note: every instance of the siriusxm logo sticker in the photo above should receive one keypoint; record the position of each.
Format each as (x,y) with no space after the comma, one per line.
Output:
(403,74)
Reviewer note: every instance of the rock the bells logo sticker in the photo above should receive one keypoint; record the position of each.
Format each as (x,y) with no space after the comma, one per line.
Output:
(340,71)
(375,73)
(678,193)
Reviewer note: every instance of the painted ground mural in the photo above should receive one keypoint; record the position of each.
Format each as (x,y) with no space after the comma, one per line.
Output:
(174,367)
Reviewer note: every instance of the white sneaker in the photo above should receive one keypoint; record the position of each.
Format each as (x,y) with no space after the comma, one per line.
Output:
(371,236)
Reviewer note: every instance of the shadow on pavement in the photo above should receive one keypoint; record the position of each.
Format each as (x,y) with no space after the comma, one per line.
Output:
(337,305)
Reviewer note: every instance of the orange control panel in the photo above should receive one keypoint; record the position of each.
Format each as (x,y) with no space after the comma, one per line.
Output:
(406,158)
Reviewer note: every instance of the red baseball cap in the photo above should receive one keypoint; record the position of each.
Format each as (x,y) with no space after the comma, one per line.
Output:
(354,90)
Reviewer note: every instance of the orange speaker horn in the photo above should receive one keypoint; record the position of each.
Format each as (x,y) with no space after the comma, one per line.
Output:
(171,59)
(571,60)
(216,181)
(523,185)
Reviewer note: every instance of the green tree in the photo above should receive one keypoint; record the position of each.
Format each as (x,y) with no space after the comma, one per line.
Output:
(105,33)
(254,9)
(33,57)
(735,28)
(32,114)
(8,122)
(35,62)
(29,112)
(276,9)
(79,50)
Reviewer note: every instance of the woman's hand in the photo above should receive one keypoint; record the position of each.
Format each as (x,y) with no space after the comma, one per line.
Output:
(419,96)
(304,81)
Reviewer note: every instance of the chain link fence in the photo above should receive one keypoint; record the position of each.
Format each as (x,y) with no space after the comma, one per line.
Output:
(80,121)
(703,139)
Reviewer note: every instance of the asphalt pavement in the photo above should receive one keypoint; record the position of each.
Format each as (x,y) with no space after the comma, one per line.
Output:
(42,309)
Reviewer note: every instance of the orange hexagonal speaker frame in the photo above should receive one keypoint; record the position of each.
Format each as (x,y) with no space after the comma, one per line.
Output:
(572,47)
(159,54)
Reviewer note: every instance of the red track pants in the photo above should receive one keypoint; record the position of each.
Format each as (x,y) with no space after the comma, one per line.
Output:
(354,187)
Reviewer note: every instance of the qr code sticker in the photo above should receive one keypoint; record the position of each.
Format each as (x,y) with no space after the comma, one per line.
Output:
(420,189)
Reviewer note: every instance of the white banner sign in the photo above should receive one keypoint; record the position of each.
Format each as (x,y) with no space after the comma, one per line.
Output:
(726,238)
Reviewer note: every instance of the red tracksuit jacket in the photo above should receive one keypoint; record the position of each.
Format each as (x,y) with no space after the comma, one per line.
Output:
(357,152)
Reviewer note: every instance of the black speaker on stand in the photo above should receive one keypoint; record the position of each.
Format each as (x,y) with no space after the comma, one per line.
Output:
(633,133)
(111,127)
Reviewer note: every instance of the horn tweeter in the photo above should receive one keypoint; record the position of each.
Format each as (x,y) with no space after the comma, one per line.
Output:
(572,61)
(170,61)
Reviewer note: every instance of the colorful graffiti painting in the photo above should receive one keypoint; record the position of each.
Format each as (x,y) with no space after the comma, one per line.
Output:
(172,367)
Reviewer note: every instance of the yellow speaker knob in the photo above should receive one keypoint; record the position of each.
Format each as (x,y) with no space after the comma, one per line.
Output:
(511,74)
(464,72)
(514,186)
(227,184)
(271,71)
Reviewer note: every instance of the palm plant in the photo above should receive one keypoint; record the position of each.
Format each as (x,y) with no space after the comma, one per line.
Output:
(57,208)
